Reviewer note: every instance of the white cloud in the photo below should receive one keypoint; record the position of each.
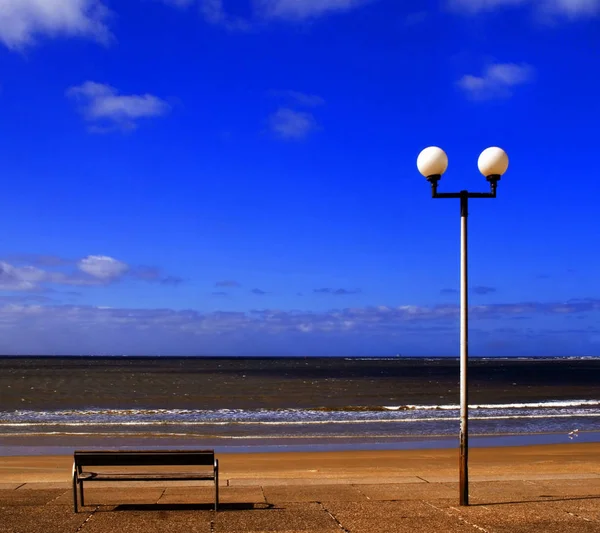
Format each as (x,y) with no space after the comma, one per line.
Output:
(31,278)
(475,6)
(102,267)
(72,329)
(497,81)
(107,110)
(213,11)
(570,8)
(299,98)
(179,3)
(381,319)
(303,9)
(19,278)
(291,125)
(93,270)
(21,21)
(216,12)
(576,7)
(33,273)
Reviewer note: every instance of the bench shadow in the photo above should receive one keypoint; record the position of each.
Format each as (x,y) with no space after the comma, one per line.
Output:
(242,506)
(548,498)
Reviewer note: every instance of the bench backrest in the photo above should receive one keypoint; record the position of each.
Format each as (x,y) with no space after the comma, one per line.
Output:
(144,457)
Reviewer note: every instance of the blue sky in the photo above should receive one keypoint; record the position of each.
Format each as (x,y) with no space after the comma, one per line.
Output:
(238,177)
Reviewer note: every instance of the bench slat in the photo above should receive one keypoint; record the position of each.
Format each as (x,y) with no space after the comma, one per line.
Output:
(144,458)
(92,476)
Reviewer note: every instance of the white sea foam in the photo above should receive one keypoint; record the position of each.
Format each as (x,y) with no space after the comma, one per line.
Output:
(286,413)
(518,405)
(103,423)
(408,420)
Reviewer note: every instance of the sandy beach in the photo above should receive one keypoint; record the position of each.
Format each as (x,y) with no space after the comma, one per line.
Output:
(440,464)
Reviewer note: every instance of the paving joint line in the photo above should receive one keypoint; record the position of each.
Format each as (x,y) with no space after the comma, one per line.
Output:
(356,487)
(57,497)
(458,517)
(334,518)
(161,495)
(580,517)
(87,519)
(263,493)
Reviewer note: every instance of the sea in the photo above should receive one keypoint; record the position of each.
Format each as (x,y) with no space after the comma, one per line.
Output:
(57,404)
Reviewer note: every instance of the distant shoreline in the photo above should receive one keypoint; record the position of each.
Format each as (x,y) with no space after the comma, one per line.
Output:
(311,357)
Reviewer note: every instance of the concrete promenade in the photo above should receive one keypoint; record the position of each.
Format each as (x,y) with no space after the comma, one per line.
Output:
(548,489)
(543,504)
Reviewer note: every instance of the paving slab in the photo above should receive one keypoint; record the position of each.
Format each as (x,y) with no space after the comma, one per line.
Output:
(443,504)
(505,492)
(540,527)
(584,508)
(227,495)
(493,519)
(397,517)
(433,478)
(150,484)
(392,524)
(439,479)
(10,486)
(110,496)
(534,516)
(367,508)
(102,495)
(292,517)
(401,491)
(277,481)
(135,521)
(38,519)
(531,477)
(28,497)
(571,487)
(526,519)
(317,493)
(46,485)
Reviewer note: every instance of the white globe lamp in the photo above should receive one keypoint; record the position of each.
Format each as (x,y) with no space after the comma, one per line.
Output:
(432,161)
(493,162)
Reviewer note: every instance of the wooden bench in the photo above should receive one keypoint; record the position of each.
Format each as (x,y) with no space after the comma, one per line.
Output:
(91,466)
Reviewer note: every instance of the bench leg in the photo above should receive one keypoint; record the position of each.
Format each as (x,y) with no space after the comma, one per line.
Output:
(81,491)
(216,485)
(74,488)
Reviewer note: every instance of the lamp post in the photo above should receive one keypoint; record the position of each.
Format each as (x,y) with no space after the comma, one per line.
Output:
(493,163)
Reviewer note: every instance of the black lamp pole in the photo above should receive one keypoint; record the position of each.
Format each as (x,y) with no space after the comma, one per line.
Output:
(464,322)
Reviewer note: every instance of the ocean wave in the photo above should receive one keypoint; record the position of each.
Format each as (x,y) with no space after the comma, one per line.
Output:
(363,419)
(551,404)
(216,437)
(289,422)
(293,412)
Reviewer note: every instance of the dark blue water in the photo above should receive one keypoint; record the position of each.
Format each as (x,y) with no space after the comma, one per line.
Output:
(311,403)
